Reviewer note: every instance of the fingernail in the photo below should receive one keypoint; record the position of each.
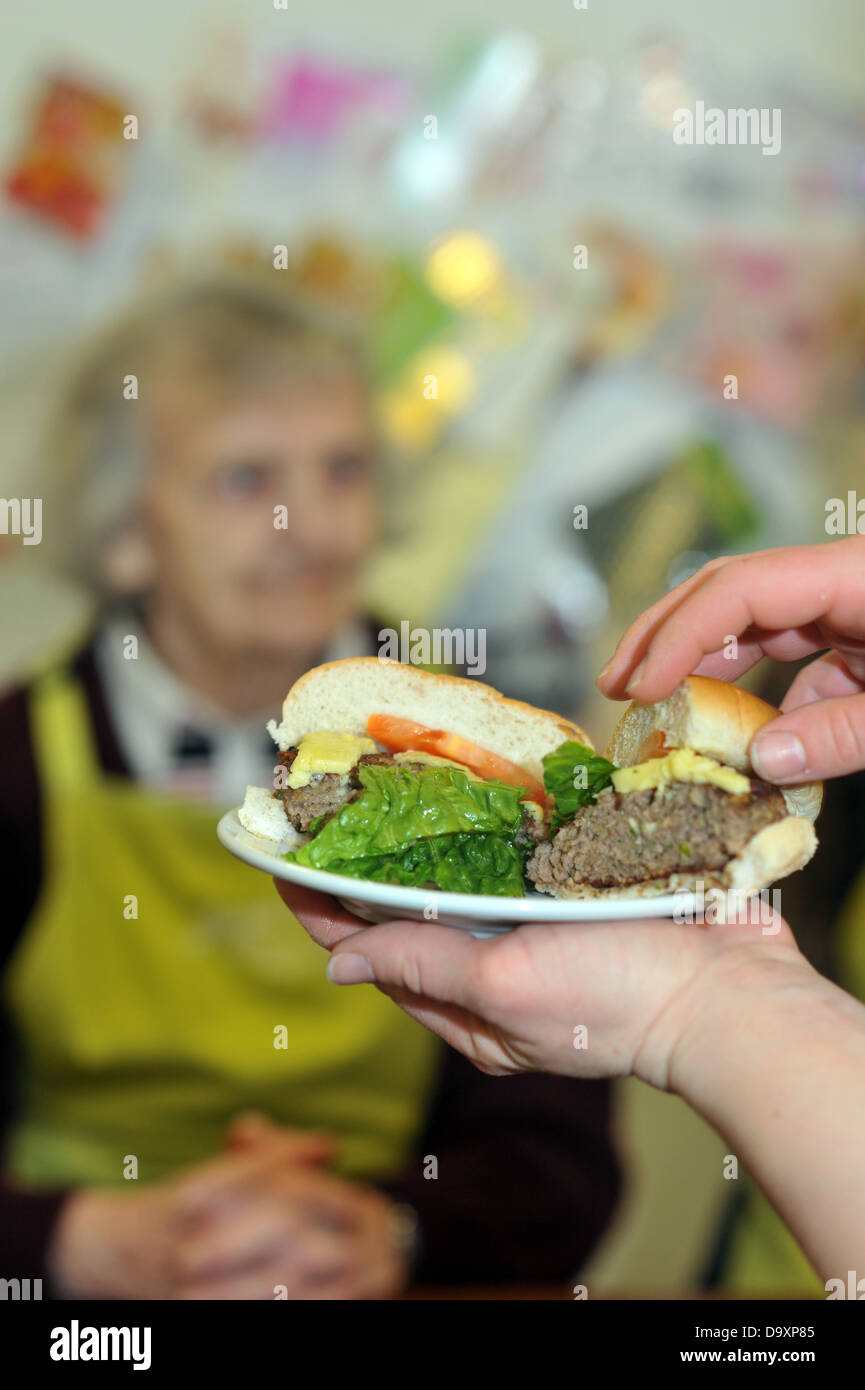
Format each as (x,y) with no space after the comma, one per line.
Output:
(604,671)
(637,676)
(776,755)
(349,969)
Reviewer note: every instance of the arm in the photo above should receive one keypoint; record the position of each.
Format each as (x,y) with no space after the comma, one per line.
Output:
(774,1059)
(734,1020)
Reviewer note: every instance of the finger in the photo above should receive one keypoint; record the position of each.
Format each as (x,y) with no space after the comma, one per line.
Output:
(732,661)
(725,666)
(783,593)
(819,740)
(234,1242)
(428,960)
(633,643)
(324,1199)
(779,592)
(319,1150)
(221,1181)
(827,678)
(367,1267)
(272,1279)
(434,974)
(229,1243)
(252,1130)
(460,1028)
(321,915)
(380,1272)
(234,1254)
(261,1283)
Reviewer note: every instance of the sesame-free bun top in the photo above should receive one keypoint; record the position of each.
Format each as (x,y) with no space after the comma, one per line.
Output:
(341,695)
(712,717)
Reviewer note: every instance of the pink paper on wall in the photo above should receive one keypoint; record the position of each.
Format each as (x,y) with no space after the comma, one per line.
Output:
(315,100)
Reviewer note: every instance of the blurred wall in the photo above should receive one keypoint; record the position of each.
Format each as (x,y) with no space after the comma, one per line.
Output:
(149,46)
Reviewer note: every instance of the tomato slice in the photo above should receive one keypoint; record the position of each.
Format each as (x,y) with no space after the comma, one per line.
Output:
(404,736)
(655,746)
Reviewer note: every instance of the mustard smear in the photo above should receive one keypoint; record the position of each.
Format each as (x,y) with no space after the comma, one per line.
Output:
(682,765)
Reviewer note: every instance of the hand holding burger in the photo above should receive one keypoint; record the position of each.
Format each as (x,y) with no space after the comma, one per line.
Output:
(785,604)
(719,1014)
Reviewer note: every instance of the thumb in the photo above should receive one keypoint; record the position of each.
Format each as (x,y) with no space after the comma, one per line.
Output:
(254,1131)
(818,740)
(425,959)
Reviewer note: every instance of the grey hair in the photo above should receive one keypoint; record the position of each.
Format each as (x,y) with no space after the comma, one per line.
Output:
(224,329)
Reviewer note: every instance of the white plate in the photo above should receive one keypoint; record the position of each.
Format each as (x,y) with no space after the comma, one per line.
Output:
(482,914)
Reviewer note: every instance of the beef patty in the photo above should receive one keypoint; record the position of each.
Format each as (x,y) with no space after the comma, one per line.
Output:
(633,837)
(327,792)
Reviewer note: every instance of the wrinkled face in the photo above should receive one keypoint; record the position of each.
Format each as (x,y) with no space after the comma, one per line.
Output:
(260,512)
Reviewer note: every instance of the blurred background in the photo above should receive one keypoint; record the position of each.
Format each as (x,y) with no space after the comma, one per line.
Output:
(431,174)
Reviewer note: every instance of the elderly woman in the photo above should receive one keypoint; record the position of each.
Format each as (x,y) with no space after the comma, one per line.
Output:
(154,992)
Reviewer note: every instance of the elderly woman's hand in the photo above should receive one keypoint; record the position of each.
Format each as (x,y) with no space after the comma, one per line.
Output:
(258,1217)
(263,1224)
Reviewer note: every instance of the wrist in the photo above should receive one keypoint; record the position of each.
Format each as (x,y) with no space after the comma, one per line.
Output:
(736,1006)
(70,1258)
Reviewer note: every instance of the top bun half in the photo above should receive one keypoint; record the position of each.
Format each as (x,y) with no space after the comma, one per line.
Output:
(714,718)
(341,695)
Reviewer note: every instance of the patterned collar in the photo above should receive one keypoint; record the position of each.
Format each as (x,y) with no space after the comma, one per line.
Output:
(175,740)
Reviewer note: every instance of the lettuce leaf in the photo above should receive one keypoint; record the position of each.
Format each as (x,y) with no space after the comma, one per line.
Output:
(454,863)
(560,772)
(430,825)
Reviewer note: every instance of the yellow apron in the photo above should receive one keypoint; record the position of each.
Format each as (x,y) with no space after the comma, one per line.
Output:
(764,1257)
(161,987)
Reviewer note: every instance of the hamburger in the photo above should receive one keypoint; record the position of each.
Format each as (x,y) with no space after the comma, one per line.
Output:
(675,802)
(392,773)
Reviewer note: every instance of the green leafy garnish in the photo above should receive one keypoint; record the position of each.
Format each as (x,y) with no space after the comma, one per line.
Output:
(429,825)
(573,776)
(454,863)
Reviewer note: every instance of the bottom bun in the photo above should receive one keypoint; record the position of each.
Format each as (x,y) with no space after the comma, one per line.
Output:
(263,814)
(774,852)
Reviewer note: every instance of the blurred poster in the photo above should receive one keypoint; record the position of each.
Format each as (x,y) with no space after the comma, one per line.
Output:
(70,167)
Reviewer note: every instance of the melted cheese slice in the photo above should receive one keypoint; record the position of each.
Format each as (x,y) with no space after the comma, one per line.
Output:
(327,752)
(682,765)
